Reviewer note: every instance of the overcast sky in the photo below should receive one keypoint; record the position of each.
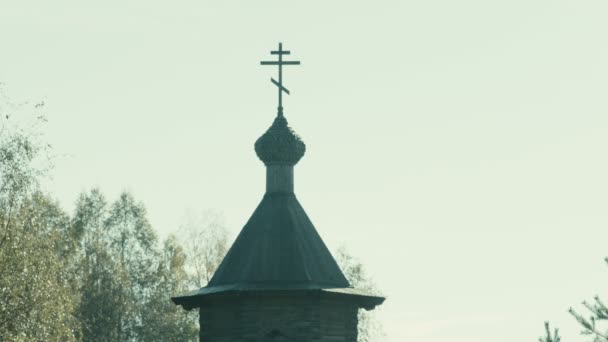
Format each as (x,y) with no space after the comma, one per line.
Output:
(457,148)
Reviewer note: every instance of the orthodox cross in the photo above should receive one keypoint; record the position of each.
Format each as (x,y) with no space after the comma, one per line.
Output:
(280,63)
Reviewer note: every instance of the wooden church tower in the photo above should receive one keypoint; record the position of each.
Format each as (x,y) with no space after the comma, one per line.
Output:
(278,281)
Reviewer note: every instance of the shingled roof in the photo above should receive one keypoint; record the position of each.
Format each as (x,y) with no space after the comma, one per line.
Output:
(279,248)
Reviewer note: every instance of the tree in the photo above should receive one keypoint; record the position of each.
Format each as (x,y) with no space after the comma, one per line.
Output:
(37,300)
(117,273)
(98,276)
(598,314)
(100,307)
(126,279)
(205,241)
(370,329)
(548,337)
(164,321)
(132,244)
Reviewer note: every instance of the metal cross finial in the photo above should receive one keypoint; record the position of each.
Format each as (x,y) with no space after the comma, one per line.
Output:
(280,63)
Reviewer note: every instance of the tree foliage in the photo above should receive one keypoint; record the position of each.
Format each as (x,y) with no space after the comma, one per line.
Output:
(173,323)
(205,240)
(100,275)
(370,329)
(595,324)
(127,278)
(37,299)
(548,336)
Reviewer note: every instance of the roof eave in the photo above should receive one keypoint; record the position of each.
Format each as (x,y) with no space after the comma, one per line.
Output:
(196,298)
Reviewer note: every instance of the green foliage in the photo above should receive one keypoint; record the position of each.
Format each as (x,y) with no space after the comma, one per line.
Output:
(548,336)
(166,321)
(598,313)
(126,277)
(37,299)
(100,306)
(98,276)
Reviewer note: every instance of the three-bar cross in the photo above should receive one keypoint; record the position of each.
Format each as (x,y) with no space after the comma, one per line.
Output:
(280,63)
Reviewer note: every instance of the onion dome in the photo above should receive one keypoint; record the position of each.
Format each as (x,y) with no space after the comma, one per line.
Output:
(280,144)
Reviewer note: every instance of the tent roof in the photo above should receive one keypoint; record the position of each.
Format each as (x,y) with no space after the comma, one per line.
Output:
(279,248)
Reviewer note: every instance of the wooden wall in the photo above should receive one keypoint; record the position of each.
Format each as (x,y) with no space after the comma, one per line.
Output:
(280,317)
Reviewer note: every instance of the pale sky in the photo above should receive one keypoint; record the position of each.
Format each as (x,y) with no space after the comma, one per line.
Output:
(458,148)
